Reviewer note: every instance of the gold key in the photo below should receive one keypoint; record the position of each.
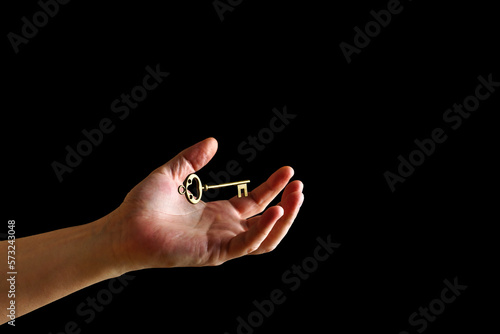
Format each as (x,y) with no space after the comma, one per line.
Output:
(242,187)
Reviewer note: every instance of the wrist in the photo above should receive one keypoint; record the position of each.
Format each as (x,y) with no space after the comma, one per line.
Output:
(109,245)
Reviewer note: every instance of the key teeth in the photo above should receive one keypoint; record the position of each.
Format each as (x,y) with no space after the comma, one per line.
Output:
(242,188)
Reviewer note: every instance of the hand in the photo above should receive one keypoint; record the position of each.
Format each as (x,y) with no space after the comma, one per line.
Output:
(157,227)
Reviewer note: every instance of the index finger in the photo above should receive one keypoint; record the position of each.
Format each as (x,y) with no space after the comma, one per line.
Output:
(259,198)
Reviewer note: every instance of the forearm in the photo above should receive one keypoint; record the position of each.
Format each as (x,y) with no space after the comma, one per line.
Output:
(52,265)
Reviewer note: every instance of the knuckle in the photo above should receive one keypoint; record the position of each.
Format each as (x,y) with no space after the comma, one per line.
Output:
(251,250)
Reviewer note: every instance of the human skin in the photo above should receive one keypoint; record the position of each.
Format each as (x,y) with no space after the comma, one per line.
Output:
(154,227)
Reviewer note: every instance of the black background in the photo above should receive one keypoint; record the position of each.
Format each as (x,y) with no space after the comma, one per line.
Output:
(352,122)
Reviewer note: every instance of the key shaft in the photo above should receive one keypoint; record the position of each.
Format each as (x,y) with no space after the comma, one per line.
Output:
(229,184)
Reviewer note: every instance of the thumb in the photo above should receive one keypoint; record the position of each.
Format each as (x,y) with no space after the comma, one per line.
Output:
(191,159)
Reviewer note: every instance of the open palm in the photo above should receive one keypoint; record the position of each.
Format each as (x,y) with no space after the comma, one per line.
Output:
(160,228)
